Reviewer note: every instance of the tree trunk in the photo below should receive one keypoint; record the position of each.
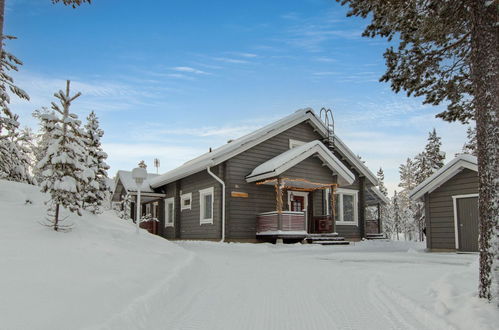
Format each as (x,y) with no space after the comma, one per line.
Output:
(484,74)
(56,220)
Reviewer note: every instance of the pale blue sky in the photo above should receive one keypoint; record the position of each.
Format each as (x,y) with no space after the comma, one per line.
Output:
(169,79)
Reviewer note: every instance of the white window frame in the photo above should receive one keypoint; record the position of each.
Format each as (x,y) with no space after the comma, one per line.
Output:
(295,143)
(167,221)
(303,194)
(184,197)
(202,193)
(351,192)
(454,208)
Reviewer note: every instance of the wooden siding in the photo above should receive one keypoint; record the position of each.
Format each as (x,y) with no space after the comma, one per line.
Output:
(168,232)
(440,213)
(241,216)
(190,227)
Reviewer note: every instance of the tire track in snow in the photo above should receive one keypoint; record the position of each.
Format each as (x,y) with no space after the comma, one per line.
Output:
(405,311)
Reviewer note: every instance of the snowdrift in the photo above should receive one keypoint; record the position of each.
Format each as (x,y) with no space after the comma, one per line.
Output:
(98,275)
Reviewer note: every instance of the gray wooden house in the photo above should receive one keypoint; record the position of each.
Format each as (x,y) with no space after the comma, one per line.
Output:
(450,196)
(291,180)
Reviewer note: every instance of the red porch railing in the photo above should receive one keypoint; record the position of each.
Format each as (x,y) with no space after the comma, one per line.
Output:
(292,222)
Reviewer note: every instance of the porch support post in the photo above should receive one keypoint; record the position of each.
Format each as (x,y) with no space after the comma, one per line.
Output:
(379,219)
(279,203)
(332,208)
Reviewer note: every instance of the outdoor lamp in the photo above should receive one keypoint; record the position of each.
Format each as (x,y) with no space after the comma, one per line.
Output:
(139,174)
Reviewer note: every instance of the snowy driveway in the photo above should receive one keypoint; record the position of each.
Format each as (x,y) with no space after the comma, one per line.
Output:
(372,285)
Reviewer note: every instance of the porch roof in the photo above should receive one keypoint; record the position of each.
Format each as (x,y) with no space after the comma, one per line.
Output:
(292,157)
(298,183)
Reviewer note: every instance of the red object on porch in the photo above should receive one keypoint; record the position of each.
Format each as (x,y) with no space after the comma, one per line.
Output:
(150,226)
(323,224)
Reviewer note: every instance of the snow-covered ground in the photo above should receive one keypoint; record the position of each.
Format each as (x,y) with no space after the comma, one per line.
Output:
(101,275)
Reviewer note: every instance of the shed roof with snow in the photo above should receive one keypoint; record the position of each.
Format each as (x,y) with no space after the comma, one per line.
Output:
(444,174)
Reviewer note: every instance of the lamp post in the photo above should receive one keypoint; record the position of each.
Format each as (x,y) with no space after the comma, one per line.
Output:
(139,174)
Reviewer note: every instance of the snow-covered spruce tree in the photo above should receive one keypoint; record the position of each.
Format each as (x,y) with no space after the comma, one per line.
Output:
(8,121)
(42,140)
(19,154)
(63,171)
(470,145)
(413,212)
(448,52)
(125,211)
(95,192)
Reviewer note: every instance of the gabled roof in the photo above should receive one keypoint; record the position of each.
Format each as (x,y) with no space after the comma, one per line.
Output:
(441,176)
(250,140)
(281,163)
(377,195)
(125,177)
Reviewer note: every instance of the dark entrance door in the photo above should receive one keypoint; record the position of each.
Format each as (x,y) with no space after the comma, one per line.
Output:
(297,203)
(467,223)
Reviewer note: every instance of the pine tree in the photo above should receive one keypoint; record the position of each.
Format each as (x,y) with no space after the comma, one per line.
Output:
(96,190)
(381,182)
(8,121)
(448,52)
(435,155)
(63,173)
(407,173)
(470,145)
(431,159)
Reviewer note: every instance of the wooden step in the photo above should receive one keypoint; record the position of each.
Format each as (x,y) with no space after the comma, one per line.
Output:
(331,242)
(375,236)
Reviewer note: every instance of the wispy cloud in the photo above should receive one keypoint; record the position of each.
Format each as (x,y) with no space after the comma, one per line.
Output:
(231,60)
(188,70)
(242,54)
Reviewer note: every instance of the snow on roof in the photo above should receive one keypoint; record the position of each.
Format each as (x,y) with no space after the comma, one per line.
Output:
(291,157)
(245,142)
(125,177)
(444,174)
(379,195)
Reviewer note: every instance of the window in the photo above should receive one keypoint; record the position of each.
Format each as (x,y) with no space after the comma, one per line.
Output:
(185,201)
(206,206)
(295,143)
(169,212)
(345,206)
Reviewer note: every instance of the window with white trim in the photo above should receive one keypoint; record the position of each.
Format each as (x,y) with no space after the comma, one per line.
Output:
(169,212)
(206,205)
(185,201)
(295,143)
(346,206)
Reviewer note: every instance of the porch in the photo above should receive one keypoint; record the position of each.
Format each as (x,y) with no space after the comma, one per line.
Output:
(304,199)
(307,210)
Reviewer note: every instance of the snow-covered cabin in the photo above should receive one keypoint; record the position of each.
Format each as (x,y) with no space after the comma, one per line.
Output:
(450,196)
(292,179)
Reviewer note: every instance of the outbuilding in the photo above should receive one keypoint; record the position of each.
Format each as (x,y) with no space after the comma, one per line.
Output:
(450,198)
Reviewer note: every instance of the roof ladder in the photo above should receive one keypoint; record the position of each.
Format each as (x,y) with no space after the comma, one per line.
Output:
(326,116)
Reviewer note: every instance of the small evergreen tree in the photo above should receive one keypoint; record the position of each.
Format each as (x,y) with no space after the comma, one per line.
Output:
(125,211)
(62,170)
(96,190)
(470,145)
(381,182)
(431,159)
